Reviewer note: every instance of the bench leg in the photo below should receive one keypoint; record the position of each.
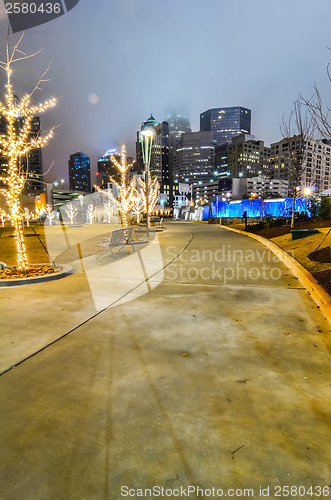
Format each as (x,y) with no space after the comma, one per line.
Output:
(102,253)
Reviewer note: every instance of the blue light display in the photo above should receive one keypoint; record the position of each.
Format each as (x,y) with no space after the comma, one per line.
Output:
(256,208)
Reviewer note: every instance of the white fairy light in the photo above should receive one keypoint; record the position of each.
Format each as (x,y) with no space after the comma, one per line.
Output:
(15,145)
(71,211)
(91,213)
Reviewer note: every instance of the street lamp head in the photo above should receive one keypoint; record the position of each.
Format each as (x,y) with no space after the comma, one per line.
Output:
(147,132)
(146,139)
(307,191)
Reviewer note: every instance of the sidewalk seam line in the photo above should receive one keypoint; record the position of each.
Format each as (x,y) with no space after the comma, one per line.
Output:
(94,315)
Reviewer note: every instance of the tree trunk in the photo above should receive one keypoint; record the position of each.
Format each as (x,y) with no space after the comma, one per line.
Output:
(16,216)
(22,260)
(125,224)
(293,208)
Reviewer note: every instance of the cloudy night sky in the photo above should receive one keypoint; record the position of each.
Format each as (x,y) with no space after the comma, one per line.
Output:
(114,62)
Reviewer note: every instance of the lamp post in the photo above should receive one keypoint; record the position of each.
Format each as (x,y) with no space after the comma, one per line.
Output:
(146,140)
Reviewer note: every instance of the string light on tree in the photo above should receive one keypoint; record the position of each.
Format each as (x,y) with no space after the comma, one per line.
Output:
(125,200)
(153,189)
(17,143)
(138,207)
(50,213)
(3,217)
(27,216)
(71,212)
(91,213)
(109,208)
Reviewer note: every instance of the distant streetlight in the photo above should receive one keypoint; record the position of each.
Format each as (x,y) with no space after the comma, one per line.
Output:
(55,183)
(146,140)
(50,189)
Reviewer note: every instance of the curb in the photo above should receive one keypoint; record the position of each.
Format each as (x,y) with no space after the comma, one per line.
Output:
(320,296)
(65,271)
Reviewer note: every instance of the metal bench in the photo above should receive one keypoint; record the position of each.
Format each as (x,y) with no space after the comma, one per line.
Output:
(156,224)
(118,238)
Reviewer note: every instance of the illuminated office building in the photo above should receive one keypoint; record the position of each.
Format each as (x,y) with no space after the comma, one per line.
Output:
(194,158)
(225,123)
(79,172)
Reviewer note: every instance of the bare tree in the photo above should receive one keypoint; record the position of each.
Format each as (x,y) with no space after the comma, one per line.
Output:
(153,189)
(319,113)
(50,214)
(138,207)
(71,211)
(125,199)
(91,213)
(109,208)
(17,143)
(297,131)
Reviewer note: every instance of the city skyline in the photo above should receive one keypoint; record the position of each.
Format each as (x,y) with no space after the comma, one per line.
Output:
(114,66)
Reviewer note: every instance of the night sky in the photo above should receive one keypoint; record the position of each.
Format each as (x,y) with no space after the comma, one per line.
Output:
(115,64)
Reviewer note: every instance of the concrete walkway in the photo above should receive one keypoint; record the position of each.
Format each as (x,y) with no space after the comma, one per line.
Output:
(218,376)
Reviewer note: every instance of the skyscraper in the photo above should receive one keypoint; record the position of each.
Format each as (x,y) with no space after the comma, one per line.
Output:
(79,172)
(225,123)
(194,158)
(243,157)
(159,164)
(178,125)
(315,171)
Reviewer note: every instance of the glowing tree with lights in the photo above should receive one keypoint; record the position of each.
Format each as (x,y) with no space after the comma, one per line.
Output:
(50,214)
(71,211)
(3,217)
(126,189)
(138,207)
(152,194)
(16,144)
(91,213)
(109,208)
(27,216)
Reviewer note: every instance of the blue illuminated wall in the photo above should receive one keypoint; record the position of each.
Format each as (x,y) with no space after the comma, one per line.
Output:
(256,208)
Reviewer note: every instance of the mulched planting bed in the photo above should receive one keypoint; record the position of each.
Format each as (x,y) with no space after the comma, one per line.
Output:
(324,279)
(270,232)
(323,255)
(275,231)
(33,271)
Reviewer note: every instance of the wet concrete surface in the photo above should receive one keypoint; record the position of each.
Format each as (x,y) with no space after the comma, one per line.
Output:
(211,379)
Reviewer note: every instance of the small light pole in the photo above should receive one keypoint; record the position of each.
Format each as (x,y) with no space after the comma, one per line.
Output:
(146,140)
